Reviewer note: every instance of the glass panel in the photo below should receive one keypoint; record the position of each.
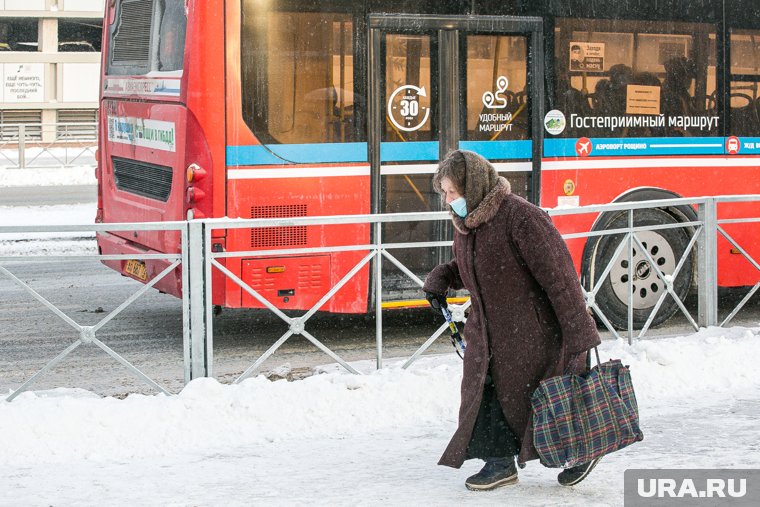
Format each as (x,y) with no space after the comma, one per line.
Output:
(409,119)
(298,76)
(622,69)
(408,89)
(79,35)
(171,35)
(745,74)
(18,34)
(497,106)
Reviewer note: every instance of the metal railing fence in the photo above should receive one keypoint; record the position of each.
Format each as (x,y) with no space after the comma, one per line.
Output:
(199,260)
(704,233)
(88,335)
(48,144)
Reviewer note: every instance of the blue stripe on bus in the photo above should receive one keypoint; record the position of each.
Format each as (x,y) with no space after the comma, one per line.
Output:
(409,152)
(281,154)
(276,154)
(323,153)
(500,150)
(622,146)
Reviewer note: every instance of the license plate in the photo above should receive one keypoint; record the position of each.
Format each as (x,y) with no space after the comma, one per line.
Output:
(137,269)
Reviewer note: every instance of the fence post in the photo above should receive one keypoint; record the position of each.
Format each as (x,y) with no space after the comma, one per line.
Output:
(22,146)
(196,289)
(707,263)
(378,294)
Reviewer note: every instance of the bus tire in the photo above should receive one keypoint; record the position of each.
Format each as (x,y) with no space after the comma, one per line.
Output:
(665,246)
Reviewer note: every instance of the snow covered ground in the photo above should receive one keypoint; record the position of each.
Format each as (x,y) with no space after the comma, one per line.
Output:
(340,439)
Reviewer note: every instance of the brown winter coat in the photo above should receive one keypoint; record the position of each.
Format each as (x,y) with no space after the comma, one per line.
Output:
(528,316)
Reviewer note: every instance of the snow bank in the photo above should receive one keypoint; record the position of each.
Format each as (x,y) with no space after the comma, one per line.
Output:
(59,425)
(707,366)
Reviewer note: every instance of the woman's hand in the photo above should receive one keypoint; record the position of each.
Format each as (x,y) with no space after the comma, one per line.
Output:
(437,301)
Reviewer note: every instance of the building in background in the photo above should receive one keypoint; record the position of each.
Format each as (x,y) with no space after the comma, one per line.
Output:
(49,62)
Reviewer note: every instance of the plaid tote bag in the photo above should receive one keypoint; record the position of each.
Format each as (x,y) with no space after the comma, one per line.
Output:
(577,418)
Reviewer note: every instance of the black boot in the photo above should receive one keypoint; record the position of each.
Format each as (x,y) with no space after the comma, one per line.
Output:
(576,474)
(495,473)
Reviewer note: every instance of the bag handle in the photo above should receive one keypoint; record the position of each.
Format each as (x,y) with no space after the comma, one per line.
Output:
(596,351)
(588,362)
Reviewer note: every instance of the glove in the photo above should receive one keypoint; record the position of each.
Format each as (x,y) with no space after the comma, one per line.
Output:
(437,301)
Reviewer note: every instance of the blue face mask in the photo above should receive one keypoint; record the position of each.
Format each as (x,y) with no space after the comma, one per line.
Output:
(459,206)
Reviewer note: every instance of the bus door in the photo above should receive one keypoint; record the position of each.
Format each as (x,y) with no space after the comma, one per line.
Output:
(439,83)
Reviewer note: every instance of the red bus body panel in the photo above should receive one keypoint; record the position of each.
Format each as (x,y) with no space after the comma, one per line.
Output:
(598,184)
(335,195)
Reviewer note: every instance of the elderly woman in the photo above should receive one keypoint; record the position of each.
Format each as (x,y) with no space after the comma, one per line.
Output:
(528,320)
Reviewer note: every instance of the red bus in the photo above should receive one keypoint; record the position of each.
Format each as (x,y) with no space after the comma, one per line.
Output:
(290,108)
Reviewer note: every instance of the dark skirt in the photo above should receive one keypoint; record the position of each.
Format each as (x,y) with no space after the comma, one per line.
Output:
(491,437)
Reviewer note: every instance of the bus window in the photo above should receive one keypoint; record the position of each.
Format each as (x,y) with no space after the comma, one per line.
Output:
(149,35)
(497,63)
(171,35)
(635,78)
(745,74)
(298,76)
(408,62)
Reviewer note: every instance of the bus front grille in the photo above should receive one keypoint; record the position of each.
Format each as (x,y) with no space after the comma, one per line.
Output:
(148,180)
(278,236)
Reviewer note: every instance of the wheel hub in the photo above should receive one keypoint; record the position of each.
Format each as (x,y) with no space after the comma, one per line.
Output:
(643,270)
(647,285)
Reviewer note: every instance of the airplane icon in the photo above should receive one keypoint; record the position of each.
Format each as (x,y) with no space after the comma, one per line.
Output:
(583,147)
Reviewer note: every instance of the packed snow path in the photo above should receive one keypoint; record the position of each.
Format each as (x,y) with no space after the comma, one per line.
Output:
(339,439)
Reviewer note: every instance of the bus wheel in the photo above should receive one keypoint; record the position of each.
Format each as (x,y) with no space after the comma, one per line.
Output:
(665,247)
